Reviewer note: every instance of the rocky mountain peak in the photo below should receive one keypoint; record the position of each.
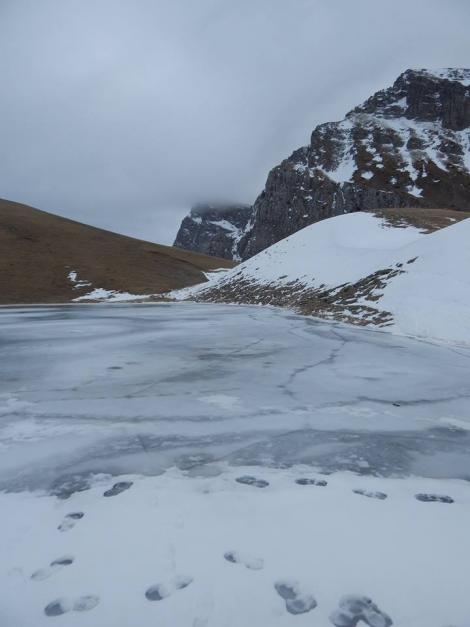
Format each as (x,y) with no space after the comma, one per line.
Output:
(406,146)
(425,96)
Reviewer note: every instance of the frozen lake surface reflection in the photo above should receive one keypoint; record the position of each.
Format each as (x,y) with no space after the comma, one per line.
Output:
(140,388)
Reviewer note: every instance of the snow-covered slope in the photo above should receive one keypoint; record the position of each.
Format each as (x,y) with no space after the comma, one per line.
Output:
(364,269)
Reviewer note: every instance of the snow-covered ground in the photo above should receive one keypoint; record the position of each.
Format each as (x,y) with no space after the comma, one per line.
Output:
(426,295)
(229,466)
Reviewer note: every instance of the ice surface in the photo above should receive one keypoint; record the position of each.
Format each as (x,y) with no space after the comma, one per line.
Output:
(139,388)
(163,407)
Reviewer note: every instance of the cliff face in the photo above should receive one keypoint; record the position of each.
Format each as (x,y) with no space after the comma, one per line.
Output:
(406,146)
(214,229)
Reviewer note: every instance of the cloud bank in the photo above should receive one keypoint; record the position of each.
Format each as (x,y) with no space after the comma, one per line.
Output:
(123,114)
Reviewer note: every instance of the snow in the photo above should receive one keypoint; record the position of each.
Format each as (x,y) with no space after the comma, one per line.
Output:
(415,191)
(346,166)
(461,75)
(78,283)
(430,299)
(100,294)
(225,224)
(181,400)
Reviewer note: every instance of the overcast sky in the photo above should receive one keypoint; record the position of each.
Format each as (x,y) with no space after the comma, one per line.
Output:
(123,113)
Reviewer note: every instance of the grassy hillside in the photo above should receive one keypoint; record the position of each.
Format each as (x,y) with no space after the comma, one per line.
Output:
(39,249)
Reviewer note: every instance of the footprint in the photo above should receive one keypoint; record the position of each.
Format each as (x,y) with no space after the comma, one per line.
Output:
(58,607)
(371,494)
(64,605)
(70,520)
(56,565)
(434,498)
(355,608)
(252,563)
(249,480)
(117,488)
(83,604)
(318,482)
(297,602)
(160,591)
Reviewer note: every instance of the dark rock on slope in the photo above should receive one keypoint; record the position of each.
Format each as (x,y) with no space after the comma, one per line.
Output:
(406,146)
(214,230)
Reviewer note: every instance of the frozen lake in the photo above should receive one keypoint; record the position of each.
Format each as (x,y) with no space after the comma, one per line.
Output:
(180,401)
(118,389)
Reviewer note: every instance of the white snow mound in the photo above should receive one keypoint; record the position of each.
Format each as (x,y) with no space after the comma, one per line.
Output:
(429,298)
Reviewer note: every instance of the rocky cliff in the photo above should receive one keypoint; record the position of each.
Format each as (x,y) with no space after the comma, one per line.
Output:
(214,229)
(406,146)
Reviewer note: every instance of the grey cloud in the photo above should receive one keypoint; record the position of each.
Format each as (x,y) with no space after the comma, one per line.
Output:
(122,114)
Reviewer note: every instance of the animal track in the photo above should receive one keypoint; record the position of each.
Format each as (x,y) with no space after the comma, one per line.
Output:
(64,605)
(160,591)
(355,608)
(70,521)
(371,494)
(252,563)
(117,488)
(297,602)
(434,498)
(249,480)
(56,565)
(318,482)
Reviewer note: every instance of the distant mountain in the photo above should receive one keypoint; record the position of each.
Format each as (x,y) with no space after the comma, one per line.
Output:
(396,268)
(45,258)
(406,146)
(214,229)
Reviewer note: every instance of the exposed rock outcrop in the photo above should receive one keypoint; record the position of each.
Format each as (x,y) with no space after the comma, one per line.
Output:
(214,229)
(406,146)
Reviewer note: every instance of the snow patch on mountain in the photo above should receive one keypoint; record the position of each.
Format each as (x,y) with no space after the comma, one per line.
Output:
(460,75)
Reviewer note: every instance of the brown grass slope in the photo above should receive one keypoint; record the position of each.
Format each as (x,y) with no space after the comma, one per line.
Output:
(39,249)
(426,220)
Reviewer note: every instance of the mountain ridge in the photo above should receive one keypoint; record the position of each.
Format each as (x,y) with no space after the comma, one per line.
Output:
(407,145)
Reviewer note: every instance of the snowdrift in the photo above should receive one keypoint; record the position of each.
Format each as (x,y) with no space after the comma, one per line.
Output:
(363,269)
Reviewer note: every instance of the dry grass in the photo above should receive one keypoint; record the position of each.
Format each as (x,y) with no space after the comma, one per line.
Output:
(39,249)
(427,220)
